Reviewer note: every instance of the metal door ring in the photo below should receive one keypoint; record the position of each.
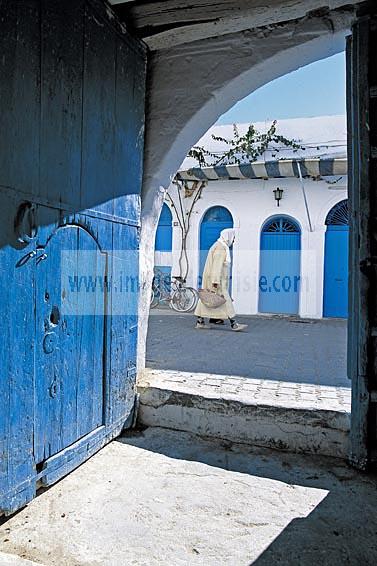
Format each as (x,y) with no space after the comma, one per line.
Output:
(25,224)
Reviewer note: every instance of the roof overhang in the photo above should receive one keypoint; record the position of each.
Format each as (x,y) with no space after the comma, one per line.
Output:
(314,168)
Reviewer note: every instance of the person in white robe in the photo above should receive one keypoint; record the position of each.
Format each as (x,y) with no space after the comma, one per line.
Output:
(216,278)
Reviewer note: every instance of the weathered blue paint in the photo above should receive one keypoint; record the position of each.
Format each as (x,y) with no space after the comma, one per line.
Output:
(335,281)
(72,116)
(69,348)
(279,277)
(215,220)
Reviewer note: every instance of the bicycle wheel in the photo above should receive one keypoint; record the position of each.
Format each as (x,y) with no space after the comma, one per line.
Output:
(155,297)
(195,295)
(183,299)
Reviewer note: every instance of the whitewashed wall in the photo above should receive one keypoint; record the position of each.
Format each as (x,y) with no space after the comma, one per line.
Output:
(251,203)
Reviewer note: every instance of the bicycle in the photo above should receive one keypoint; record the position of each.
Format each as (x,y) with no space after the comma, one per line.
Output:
(172,291)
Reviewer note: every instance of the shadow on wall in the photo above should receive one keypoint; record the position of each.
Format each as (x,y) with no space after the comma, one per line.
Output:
(73,140)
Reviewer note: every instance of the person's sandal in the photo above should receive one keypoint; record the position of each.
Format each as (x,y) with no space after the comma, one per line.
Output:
(239,327)
(202,326)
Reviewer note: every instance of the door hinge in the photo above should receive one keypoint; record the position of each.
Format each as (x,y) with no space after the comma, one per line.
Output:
(368,264)
(373,396)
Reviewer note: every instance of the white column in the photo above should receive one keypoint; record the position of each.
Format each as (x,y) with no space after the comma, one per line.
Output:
(312,261)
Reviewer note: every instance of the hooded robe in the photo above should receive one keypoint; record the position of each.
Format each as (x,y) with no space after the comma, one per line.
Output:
(217,270)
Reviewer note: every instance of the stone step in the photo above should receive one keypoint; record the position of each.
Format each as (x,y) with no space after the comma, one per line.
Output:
(294,417)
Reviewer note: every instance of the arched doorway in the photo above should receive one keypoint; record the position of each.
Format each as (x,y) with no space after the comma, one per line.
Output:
(279,280)
(216,218)
(164,242)
(335,281)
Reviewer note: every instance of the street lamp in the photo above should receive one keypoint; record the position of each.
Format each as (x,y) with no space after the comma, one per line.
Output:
(278,194)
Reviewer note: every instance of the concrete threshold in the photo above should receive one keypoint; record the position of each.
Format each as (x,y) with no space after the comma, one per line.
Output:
(13,560)
(293,417)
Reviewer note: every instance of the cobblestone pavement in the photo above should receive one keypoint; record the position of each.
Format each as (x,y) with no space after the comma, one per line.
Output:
(288,395)
(276,348)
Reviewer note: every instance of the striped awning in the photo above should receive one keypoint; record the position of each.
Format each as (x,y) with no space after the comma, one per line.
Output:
(320,167)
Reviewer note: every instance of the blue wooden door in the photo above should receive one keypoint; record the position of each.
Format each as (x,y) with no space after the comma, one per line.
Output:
(279,279)
(335,284)
(215,220)
(71,154)
(70,338)
(164,243)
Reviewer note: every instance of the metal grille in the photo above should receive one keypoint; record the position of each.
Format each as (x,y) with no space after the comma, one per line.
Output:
(281,225)
(338,215)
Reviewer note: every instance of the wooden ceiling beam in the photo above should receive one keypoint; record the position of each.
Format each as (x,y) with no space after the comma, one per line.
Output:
(163,24)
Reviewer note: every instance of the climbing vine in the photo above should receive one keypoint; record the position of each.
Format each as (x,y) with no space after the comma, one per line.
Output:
(243,148)
(183,214)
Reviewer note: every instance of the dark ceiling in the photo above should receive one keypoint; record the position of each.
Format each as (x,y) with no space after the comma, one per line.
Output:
(151,17)
(163,24)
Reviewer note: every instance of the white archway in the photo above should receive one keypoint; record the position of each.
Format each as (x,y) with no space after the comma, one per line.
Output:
(192,84)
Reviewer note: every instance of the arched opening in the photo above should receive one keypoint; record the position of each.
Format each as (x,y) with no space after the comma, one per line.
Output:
(216,219)
(335,281)
(217,95)
(211,90)
(279,277)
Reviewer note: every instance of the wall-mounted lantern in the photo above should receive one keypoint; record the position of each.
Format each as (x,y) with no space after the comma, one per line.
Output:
(278,194)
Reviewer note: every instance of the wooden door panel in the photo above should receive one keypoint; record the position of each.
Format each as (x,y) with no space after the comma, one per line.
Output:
(17,288)
(61,101)
(19,95)
(69,340)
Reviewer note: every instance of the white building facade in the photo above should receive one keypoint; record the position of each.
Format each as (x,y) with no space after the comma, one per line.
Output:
(305,272)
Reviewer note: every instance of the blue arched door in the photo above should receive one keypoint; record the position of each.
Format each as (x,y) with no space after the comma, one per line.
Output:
(279,280)
(335,284)
(215,220)
(164,242)
(164,234)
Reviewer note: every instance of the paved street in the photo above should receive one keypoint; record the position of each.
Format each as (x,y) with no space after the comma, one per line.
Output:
(283,349)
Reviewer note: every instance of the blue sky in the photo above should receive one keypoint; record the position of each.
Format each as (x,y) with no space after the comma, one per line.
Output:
(315,90)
